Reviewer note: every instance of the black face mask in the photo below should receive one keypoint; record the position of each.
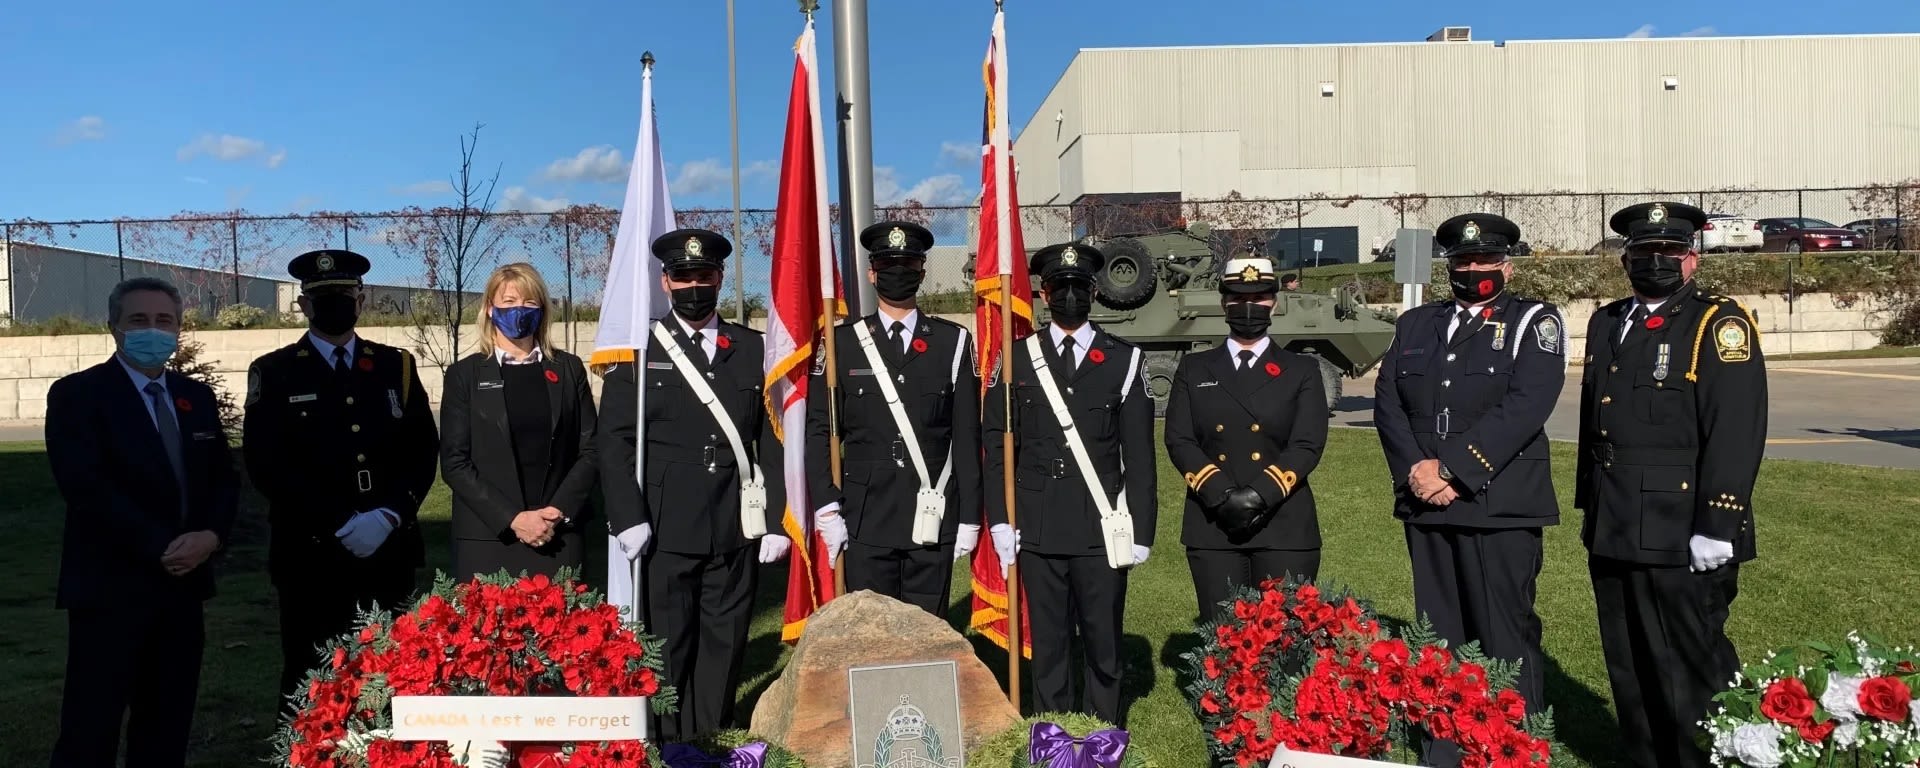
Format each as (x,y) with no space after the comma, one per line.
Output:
(334,313)
(1248,320)
(1070,303)
(1655,276)
(1475,286)
(695,303)
(897,283)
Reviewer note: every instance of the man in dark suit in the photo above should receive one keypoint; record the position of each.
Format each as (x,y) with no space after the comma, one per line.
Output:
(1246,424)
(1673,423)
(1462,402)
(141,459)
(713,501)
(893,461)
(1085,499)
(340,439)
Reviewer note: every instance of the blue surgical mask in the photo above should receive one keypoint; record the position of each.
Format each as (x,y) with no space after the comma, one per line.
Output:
(149,347)
(517,322)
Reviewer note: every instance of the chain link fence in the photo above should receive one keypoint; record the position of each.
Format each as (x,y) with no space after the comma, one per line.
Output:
(232,270)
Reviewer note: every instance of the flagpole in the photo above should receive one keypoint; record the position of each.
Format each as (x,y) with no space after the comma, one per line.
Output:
(1005,244)
(807,7)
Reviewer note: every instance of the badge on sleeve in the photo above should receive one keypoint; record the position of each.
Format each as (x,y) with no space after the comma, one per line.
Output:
(253,385)
(1730,340)
(820,360)
(1548,334)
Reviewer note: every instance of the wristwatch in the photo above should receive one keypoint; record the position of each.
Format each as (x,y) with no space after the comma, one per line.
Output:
(1444,474)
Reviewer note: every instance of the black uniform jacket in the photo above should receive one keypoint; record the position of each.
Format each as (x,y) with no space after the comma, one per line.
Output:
(323,446)
(1055,513)
(1479,405)
(1264,428)
(123,503)
(476,446)
(939,391)
(1673,423)
(692,497)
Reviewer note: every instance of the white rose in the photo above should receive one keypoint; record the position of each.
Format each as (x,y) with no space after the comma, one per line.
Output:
(1757,745)
(1847,735)
(1842,698)
(1913,711)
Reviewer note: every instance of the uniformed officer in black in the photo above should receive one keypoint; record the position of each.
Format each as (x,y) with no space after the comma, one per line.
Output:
(1246,424)
(1061,542)
(929,364)
(340,439)
(1461,405)
(1673,422)
(686,526)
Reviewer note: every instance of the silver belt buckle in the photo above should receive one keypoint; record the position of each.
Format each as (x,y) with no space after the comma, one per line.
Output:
(706,455)
(366,481)
(1057,468)
(899,458)
(1443,422)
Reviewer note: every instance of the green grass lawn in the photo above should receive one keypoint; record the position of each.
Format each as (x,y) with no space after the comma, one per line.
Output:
(1832,558)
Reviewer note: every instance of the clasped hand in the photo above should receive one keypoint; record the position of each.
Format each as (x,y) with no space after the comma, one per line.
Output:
(1426,482)
(187,551)
(535,527)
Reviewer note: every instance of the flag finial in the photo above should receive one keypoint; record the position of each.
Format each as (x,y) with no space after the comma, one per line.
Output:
(809,6)
(646,59)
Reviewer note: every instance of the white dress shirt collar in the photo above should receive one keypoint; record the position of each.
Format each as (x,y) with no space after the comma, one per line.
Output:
(1082,339)
(1235,345)
(326,347)
(911,320)
(502,357)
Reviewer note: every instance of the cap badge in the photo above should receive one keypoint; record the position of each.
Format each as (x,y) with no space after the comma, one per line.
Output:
(897,238)
(325,263)
(1250,274)
(693,246)
(1069,257)
(1472,231)
(1657,214)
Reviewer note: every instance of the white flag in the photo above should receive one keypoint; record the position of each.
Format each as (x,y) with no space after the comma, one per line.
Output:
(630,303)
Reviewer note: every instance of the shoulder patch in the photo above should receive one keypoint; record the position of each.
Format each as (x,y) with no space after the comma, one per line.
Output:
(253,384)
(1732,340)
(1548,333)
(820,360)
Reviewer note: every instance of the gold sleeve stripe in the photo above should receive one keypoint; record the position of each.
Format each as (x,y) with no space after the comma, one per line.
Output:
(1200,476)
(1283,478)
(1700,335)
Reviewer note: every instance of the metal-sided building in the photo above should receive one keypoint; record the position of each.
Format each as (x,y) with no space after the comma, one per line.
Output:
(1455,116)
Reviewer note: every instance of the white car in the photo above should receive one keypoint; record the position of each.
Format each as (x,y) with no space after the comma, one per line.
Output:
(1726,232)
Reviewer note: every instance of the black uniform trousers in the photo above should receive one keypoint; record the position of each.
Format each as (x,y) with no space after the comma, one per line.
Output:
(1663,631)
(919,577)
(140,660)
(1218,573)
(317,607)
(1075,595)
(702,606)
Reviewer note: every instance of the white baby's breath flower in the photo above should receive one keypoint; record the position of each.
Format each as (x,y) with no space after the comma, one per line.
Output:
(1757,745)
(1846,735)
(1842,697)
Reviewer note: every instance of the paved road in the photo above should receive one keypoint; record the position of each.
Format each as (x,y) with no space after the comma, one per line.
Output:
(1851,412)
(1847,412)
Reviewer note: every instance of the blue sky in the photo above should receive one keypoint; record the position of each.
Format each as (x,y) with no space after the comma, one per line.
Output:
(148,109)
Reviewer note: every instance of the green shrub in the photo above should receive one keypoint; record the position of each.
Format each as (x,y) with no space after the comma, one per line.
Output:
(1008,748)
(236,316)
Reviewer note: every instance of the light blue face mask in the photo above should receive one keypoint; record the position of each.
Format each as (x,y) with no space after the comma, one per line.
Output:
(149,347)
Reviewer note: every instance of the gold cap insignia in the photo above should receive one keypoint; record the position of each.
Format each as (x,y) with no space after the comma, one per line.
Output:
(1250,274)
(1069,257)
(693,246)
(1657,214)
(325,263)
(897,238)
(1471,232)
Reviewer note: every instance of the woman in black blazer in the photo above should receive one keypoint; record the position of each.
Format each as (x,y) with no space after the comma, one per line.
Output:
(516,439)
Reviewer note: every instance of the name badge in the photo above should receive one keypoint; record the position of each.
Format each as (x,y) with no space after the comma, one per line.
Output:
(860,372)
(1206,384)
(659,366)
(208,435)
(303,398)
(493,385)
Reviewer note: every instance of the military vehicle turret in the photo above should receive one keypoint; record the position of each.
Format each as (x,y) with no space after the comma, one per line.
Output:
(1160,290)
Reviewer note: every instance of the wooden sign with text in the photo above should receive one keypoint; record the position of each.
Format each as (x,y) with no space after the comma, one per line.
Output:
(1286,758)
(519,718)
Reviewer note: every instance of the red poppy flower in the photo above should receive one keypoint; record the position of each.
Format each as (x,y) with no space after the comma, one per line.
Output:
(183,405)
(553,378)
(1654,323)
(1486,287)
(1096,356)
(919,345)
(722,341)
(1273,369)
(366,363)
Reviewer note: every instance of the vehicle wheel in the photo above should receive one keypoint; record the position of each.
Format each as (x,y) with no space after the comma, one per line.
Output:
(1160,367)
(1331,379)
(1128,280)
(1793,246)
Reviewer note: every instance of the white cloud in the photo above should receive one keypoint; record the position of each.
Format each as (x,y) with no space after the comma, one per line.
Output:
(602,163)
(960,153)
(519,199)
(423,188)
(89,128)
(938,190)
(1700,32)
(230,148)
(1645,30)
(708,177)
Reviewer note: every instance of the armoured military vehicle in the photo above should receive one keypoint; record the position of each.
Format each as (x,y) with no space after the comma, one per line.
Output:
(1160,290)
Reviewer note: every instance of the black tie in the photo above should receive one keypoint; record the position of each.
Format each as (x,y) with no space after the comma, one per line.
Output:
(894,332)
(1466,318)
(1067,363)
(1246,359)
(1634,319)
(169,437)
(340,363)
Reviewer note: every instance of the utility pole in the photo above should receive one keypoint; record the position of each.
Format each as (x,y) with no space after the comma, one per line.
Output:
(856,143)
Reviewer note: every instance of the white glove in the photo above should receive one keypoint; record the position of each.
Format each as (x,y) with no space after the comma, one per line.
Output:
(365,532)
(773,546)
(965,539)
(833,529)
(1006,543)
(633,541)
(1706,554)
(1139,555)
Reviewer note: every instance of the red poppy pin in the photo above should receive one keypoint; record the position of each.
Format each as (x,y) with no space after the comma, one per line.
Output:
(1654,323)
(1096,356)
(1486,286)
(553,378)
(366,363)
(1273,369)
(723,342)
(919,345)
(183,405)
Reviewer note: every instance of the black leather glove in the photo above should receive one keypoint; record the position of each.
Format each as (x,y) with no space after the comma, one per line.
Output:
(1243,510)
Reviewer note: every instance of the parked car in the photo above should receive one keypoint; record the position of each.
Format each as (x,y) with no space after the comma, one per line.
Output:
(1794,234)
(1887,234)
(1727,232)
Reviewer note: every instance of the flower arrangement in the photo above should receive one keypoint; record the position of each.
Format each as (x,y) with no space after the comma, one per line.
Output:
(495,635)
(1315,671)
(1817,704)
(1092,743)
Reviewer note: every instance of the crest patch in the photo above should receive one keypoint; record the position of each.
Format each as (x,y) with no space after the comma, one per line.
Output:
(897,238)
(325,263)
(693,246)
(820,360)
(253,386)
(1250,274)
(1471,232)
(1548,334)
(1657,214)
(1069,257)
(1731,340)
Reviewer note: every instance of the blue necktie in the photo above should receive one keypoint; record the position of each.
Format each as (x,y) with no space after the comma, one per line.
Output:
(169,437)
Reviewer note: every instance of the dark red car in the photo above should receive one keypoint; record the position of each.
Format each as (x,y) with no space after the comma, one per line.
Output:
(1795,234)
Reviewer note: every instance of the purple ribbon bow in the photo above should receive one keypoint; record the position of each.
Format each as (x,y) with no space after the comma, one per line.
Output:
(689,756)
(1053,747)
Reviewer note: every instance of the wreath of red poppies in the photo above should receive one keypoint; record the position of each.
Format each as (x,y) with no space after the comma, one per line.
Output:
(1320,674)
(495,635)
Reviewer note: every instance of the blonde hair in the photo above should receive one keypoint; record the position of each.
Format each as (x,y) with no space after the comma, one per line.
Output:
(524,277)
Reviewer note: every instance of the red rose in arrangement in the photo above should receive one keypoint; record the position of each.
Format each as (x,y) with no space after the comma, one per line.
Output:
(1786,701)
(1654,323)
(1885,698)
(1096,356)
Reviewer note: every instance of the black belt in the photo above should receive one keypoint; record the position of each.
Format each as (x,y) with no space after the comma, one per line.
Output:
(1446,423)
(710,456)
(1608,453)
(1057,469)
